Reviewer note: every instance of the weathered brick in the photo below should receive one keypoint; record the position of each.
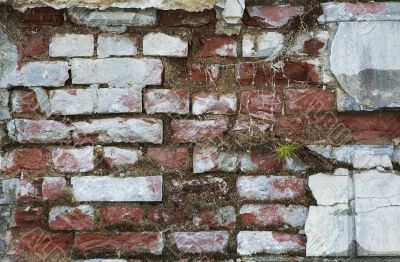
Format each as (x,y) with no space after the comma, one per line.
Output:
(115,45)
(33,74)
(42,17)
(271,16)
(289,124)
(38,131)
(268,44)
(257,242)
(34,159)
(70,45)
(210,159)
(119,72)
(273,215)
(184,131)
(310,44)
(202,74)
(251,126)
(72,101)
(114,189)
(42,242)
(117,130)
(259,160)
(271,188)
(29,190)
(126,242)
(211,185)
(115,215)
(119,100)
(25,101)
(73,160)
(260,104)
(34,46)
(114,156)
(169,158)
(223,46)
(54,188)
(200,242)
(28,216)
(222,217)
(71,218)
(187,19)
(214,103)
(166,216)
(174,101)
(311,100)
(171,45)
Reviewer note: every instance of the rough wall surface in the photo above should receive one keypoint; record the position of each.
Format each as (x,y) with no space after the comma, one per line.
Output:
(146,131)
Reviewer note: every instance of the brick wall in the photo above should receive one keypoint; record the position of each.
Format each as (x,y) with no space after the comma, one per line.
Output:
(155,142)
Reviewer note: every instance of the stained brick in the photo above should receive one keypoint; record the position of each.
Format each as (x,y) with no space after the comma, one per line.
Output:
(169,158)
(116,215)
(28,216)
(71,218)
(166,216)
(214,103)
(202,74)
(54,188)
(34,159)
(225,47)
(184,131)
(200,242)
(114,156)
(310,100)
(73,160)
(260,104)
(25,101)
(224,217)
(42,242)
(34,46)
(171,101)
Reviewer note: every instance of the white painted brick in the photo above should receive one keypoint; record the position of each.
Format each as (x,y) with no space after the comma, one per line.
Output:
(119,156)
(210,103)
(73,160)
(117,72)
(115,45)
(113,189)
(119,100)
(117,130)
(160,44)
(72,101)
(71,45)
(268,44)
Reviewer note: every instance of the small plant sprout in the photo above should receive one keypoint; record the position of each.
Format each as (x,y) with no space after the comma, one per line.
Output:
(284,151)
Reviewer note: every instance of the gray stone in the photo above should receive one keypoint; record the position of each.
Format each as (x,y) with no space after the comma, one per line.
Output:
(8,59)
(268,45)
(8,191)
(113,189)
(229,15)
(367,161)
(160,44)
(207,159)
(115,45)
(118,72)
(367,70)
(328,231)
(113,19)
(71,45)
(330,190)
(346,153)
(4,98)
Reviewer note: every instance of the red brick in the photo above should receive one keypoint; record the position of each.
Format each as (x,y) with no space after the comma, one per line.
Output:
(273,215)
(312,47)
(25,101)
(29,190)
(34,46)
(312,100)
(184,131)
(126,242)
(113,215)
(200,242)
(28,216)
(166,216)
(202,74)
(42,17)
(271,16)
(182,18)
(223,46)
(218,218)
(71,218)
(42,242)
(289,124)
(260,159)
(54,188)
(169,158)
(166,101)
(260,104)
(33,159)
(361,127)
(262,74)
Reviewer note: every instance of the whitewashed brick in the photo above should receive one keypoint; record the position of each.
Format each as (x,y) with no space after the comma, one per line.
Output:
(119,156)
(268,44)
(208,159)
(119,100)
(117,72)
(73,160)
(115,45)
(70,45)
(72,101)
(117,130)
(113,189)
(160,44)
(175,101)
(210,103)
